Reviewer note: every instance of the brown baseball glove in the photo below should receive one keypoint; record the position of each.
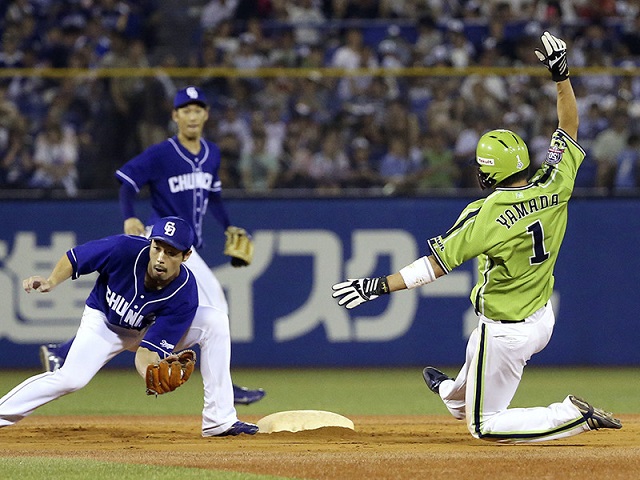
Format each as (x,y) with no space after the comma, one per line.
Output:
(238,246)
(170,372)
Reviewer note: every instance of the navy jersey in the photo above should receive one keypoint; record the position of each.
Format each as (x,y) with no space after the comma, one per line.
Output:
(119,292)
(180,182)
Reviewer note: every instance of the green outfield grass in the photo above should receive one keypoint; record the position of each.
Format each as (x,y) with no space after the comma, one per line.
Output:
(344,391)
(71,469)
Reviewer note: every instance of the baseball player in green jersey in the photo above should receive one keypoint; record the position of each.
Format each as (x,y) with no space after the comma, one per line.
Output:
(515,233)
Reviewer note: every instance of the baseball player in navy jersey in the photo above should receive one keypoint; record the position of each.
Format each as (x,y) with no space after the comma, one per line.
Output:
(144,299)
(182,173)
(515,233)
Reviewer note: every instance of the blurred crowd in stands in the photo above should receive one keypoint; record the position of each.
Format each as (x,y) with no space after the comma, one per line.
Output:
(401,134)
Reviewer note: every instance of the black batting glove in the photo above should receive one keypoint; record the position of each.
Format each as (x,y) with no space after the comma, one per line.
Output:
(356,291)
(554,57)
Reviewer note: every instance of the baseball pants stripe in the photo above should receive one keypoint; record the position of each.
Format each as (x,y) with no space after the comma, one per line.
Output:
(498,358)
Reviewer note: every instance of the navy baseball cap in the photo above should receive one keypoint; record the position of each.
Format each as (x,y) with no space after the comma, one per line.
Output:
(174,231)
(189,95)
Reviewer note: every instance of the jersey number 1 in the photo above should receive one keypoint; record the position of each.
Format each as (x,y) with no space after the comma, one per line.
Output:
(537,235)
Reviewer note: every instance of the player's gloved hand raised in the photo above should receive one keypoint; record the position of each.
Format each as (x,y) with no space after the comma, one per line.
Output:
(554,57)
(238,246)
(356,291)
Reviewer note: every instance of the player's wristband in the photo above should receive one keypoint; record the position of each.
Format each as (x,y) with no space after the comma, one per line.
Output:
(382,288)
(418,273)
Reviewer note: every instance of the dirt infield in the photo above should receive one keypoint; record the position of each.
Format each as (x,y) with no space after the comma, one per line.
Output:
(388,447)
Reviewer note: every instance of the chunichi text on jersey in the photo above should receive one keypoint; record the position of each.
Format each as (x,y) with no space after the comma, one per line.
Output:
(517,211)
(118,304)
(190,181)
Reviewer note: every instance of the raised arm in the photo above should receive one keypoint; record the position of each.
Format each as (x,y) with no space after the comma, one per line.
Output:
(567,109)
(554,57)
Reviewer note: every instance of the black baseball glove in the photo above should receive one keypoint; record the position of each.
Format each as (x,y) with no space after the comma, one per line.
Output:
(554,57)
(356,291)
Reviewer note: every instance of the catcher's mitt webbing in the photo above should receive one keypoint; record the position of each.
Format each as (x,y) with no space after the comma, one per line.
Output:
(170,372)
(238,246)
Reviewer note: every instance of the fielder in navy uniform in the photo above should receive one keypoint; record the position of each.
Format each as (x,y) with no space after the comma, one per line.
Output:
(144,299)
(182,175)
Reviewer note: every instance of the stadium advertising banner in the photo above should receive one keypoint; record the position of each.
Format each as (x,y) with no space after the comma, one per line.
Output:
(281,310)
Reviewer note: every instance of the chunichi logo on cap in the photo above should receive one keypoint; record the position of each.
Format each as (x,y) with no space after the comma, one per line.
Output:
(192,92)
(170,229)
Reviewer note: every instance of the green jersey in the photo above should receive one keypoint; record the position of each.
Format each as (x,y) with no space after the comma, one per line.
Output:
(516,233)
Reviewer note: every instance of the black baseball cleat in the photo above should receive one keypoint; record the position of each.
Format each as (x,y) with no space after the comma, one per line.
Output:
(596,418)
(433,378)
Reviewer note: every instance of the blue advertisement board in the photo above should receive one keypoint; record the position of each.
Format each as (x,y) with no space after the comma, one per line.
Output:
(281,310)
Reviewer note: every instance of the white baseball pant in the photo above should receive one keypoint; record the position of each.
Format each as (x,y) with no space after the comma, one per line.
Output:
(210,330)
(96,343)
(483,389)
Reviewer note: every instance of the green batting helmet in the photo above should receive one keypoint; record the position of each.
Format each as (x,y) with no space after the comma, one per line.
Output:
(500,154)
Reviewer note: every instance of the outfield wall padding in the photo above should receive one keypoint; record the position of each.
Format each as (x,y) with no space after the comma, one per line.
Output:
(281,310)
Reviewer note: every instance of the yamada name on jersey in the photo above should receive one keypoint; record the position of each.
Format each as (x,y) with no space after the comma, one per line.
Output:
(190,181)
(511,215)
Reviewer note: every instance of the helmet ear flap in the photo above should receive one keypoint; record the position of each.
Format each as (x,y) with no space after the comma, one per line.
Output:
(485,180)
